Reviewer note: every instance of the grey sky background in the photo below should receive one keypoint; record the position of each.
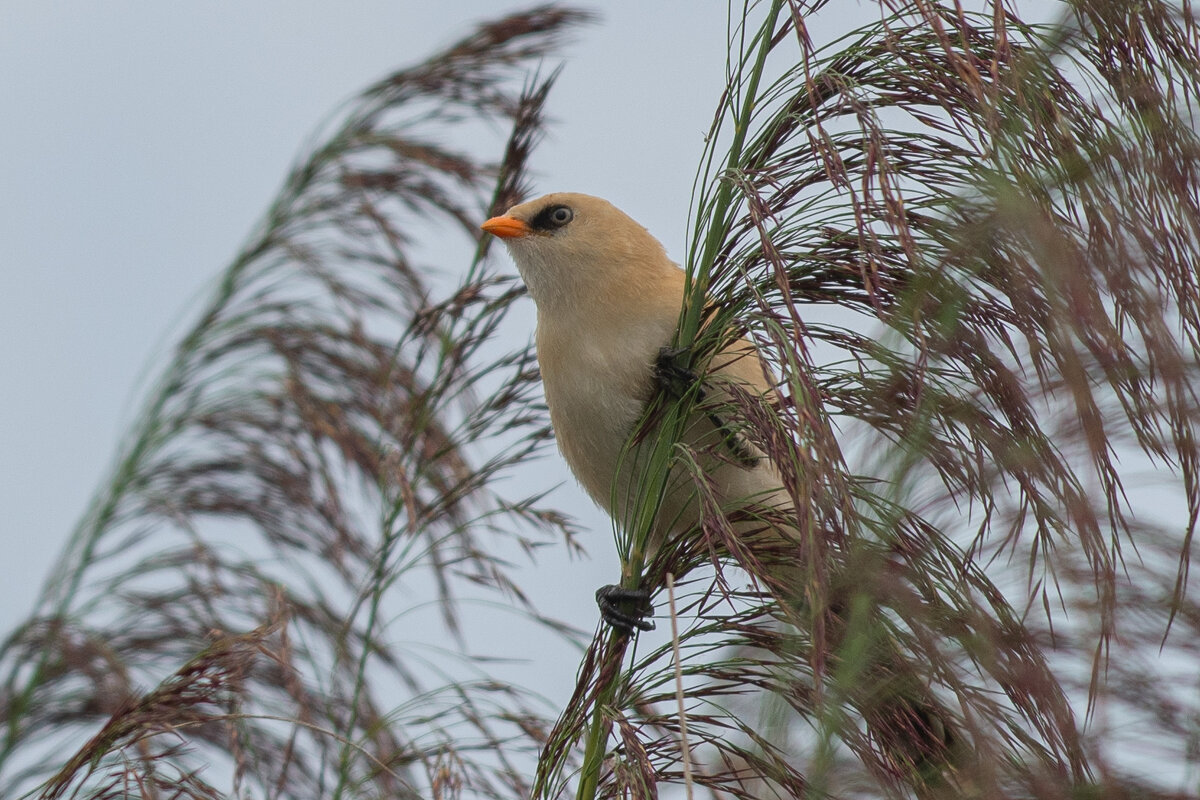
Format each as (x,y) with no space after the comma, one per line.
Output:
(142,141)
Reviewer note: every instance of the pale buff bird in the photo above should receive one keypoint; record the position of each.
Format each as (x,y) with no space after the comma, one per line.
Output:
(608,302)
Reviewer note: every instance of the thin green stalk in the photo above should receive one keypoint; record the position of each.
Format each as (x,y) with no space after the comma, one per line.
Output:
(657,470)
(678,659)
(593,754)
(379,581)
(714,238)
(654,482)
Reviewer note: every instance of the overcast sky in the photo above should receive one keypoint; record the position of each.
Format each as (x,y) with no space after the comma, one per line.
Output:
(142,140)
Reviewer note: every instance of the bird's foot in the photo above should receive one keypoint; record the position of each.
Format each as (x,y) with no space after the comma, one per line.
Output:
(673,377)
(625,609)
(675,380)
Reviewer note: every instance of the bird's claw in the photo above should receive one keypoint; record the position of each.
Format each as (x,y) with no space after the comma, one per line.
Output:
(674,378)
(625,609)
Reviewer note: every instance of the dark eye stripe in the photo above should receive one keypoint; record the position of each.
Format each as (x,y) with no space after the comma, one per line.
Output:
(552,217)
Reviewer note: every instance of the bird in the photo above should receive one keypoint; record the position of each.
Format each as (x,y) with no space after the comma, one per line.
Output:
(608,301)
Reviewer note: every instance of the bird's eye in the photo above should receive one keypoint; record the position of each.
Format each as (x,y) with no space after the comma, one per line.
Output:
(553,217)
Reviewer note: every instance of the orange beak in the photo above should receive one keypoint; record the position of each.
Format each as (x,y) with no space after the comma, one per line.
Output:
(506,227)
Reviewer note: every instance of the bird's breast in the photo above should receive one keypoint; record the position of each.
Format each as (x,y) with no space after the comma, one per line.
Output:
(596,387)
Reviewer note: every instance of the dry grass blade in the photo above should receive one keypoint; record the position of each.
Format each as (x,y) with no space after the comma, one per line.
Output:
(331,431)
(205,691)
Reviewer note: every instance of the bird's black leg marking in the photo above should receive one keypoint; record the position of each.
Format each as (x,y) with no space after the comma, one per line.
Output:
(625,609)
(675,380)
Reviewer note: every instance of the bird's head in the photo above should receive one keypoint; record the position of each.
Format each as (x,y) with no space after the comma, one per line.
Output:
(576,248)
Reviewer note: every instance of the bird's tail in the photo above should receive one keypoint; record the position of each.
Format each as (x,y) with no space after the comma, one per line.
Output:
(919,737)
(915,731)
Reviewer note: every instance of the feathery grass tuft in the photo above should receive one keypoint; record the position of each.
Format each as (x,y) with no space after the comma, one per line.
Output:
(966,244)
(326,447)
